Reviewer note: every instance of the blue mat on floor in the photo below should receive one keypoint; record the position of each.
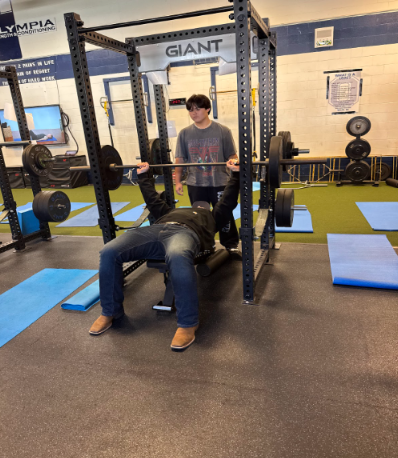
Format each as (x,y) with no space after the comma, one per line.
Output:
(89,218)
(382,216)
(74,206)
(83,300)
(27,302)
(256,186)
(301,222)
(236,212)
(363,260)
(131,215)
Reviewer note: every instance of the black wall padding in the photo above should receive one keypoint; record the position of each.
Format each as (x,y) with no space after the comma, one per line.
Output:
(15,177)
(392,182)
(61,176)
(26,177)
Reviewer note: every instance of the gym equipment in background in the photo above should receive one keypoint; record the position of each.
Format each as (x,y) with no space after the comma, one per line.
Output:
(358,171)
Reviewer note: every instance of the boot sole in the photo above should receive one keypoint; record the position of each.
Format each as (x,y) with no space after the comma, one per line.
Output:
(97,333)
(180,349)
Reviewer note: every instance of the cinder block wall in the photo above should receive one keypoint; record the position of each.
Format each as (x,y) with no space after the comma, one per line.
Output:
(301,91)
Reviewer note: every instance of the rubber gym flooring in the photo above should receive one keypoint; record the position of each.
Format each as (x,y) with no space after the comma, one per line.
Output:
(311,372)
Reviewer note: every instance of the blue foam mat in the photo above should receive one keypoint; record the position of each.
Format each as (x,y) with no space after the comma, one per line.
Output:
(382,216)
(131,215)
(27,302)
(363,260)
(73,206)
(83,300)
(89,218)
(302,221)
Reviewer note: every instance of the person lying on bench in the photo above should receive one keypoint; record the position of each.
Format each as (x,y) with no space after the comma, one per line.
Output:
(40,137)
(177,236)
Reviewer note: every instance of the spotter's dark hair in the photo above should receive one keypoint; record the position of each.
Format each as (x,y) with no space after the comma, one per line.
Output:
(200,101)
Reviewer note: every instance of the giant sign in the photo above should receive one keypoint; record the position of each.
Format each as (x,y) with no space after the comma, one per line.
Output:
(158,56)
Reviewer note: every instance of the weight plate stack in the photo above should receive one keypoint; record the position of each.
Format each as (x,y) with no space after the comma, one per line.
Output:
(275,169)
(108,156)
(284,208)
(358,149)
(380,172)
(357,171)
(34,160)
(51,206)
(357,126)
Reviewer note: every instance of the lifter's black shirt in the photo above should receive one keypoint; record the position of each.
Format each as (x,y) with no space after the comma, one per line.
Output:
(204,222)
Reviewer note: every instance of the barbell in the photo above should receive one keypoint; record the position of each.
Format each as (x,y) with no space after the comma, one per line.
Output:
(38,161)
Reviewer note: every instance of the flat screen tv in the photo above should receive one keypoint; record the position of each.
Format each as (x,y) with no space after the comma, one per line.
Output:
(48,128)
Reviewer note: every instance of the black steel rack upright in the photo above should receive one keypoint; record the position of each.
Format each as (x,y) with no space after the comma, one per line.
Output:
(248,24)
(18,239)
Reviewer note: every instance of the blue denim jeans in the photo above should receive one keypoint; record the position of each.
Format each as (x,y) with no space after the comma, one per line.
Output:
(176,244)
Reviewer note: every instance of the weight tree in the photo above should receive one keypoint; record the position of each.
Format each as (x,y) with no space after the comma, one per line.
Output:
(10,207)
(248,24)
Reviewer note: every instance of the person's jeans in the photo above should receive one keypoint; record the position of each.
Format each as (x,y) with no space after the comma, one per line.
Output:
(177,245)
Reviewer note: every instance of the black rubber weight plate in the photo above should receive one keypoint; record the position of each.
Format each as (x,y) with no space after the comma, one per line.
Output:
(288,210)
(275,169)
(357,171)
(359,125)
(383,169)
(358,149)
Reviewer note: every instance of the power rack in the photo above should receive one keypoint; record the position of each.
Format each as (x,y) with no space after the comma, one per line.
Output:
(10,207)
(247,38)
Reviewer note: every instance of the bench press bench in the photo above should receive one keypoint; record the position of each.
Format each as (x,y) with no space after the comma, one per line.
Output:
(206,264)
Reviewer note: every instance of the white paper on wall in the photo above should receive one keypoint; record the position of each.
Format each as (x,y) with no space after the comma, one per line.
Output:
(171,129)
(9,112)
(29,119)
(344,89)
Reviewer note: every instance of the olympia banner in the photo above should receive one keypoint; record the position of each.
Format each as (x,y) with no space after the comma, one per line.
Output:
(9,45)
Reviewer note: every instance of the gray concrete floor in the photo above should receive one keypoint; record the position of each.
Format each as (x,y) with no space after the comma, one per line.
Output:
(309,372)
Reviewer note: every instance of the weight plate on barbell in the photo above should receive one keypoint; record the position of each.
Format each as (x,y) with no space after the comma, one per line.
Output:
(108,156)
(357,171)
(155,155)
(275,169)
(359,125)
(284,208)
(380,172)
(358,149)
(34,160)
(51,206)
(287,144)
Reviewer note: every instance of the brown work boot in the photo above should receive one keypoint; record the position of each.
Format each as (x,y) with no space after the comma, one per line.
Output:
(183,338)
(102,324)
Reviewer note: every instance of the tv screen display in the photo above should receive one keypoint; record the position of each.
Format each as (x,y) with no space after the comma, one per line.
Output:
(46,129)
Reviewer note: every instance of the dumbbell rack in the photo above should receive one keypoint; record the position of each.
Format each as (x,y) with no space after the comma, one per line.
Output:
(18,239)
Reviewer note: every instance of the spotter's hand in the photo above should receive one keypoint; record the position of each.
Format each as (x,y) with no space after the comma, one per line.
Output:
(142,167)
(233,165)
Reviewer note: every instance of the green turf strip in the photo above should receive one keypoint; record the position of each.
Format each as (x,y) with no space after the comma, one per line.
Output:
(332,208)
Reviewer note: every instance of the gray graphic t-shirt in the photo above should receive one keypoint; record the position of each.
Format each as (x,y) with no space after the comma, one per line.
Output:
(204,146)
